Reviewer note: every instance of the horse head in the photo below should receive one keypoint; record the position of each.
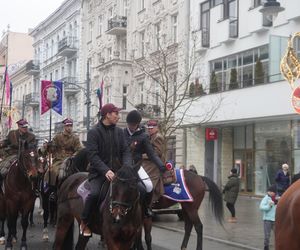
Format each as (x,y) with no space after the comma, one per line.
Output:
(29,162)
(124,193)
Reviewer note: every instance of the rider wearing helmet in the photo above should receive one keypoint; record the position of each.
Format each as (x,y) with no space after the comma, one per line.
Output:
(139,143)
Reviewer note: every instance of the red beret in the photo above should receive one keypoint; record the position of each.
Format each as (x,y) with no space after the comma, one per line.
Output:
(109,108)
(152,123)
(67,122)
(22,123)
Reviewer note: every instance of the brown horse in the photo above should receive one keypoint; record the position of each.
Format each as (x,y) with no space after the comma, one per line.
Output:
(287,221)
(197,186)
(18,195)
(2,218)
(118,219)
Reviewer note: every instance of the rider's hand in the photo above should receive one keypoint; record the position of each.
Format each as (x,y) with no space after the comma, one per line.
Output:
(110,175)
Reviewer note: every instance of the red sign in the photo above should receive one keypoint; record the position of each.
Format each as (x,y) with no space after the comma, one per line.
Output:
(296,99)
(211,134)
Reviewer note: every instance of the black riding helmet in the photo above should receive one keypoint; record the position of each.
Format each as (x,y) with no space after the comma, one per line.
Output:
(134,117)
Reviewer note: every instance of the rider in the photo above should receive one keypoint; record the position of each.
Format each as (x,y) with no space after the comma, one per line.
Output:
(12,143)
(157,142)
(139,143)
(64,144)
(105,144)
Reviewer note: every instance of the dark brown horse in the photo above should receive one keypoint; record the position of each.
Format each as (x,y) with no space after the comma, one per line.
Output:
(118,219)
(287,221)
(2,218)
(197,186)
(18,195)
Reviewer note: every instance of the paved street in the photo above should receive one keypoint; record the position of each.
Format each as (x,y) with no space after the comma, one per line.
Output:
(168,231)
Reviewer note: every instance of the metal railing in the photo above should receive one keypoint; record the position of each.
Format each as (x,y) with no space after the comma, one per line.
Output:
(117,22)
(67,42)
(205,37)
(32,98)
(33,65)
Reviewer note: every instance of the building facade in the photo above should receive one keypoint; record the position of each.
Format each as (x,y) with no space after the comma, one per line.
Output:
(256,125)
(56,57)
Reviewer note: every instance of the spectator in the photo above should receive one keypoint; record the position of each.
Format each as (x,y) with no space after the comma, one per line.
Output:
(283,179)
(268,207)
(231,191)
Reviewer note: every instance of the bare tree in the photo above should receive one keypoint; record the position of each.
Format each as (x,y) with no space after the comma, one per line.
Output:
(166,68)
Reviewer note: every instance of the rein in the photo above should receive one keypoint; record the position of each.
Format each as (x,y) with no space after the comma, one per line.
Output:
(120,204)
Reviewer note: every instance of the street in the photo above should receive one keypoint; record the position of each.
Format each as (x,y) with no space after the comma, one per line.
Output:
(162,238)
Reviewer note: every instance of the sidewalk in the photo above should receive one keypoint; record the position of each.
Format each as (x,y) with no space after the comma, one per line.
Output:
(247,233)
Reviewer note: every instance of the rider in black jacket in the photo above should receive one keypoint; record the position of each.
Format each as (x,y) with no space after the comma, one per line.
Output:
(105,145)
(139,143)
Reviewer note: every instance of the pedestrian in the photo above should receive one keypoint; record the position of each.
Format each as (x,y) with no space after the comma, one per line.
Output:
(231,191)
(283,179)
(139,143)
(105,145)
(268,207)
(157,142)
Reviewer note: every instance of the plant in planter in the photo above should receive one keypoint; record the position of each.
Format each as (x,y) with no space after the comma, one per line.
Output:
(233,79)
(213,88)
(259,72)
(192,90)
(198,88)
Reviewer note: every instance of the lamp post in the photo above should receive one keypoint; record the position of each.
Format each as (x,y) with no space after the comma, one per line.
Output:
(271,8)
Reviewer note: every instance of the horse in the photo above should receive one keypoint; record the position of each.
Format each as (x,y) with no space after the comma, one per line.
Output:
(2,218)
(74,164)
(287,219)
(118,219)
(18,195)
(197,186)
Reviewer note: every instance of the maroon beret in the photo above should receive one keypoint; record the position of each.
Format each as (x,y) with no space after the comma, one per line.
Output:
(152,123)
(22,123)
(67,122)
(109,108)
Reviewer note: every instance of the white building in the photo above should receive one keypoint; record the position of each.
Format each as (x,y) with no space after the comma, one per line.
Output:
(257,127)
(56,57)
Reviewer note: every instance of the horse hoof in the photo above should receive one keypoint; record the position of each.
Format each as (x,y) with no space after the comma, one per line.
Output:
(24,247)
(14,240)
(45,238)
(2,240)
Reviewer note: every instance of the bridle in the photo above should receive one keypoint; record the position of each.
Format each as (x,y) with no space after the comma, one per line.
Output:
(120,208)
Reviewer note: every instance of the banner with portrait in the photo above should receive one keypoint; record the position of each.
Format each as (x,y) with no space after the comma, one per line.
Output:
(51,96)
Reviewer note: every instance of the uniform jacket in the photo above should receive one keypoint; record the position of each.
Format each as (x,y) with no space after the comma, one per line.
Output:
(106,146)
(232,188)
(12,141)
(65,144)
(267,209)
(139,144)
(157,141)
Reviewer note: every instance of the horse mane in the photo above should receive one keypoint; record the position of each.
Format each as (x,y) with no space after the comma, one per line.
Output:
(127,173)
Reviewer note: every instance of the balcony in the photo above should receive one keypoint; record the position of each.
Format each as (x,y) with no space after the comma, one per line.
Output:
(201,39)
(117,26)
(67,47)
(70,86)
(229,29)
(33,67)
(32,99)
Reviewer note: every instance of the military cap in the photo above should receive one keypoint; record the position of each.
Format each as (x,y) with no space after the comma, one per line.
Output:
(22,123)
(152,123)
(109,108)
(68,122)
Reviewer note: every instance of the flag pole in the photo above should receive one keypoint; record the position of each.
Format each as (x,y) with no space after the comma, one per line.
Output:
(50,129)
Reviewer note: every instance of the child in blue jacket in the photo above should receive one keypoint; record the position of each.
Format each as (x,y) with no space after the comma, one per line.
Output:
(268,207)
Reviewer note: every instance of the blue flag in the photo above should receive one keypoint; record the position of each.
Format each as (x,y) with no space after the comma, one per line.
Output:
(57,104)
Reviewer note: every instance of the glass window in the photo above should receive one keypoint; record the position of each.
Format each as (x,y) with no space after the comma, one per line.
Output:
(218,65)
(247,57)
(264,52)
(239,137)
(174,28)
(232,62)
(249,136)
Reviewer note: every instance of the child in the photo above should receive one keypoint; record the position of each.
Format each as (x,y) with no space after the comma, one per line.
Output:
(268,207)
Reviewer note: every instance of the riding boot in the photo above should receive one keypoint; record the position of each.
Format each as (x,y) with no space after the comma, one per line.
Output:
(148,204)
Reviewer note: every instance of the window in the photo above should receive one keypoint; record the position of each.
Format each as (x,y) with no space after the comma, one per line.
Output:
(230,10)
(109,53)
(157,35)
(107,94)
(124,99)
(142,4)
(256,3)
(142,42)
(110,12)
(125,8)
(90,34)
(216,2)
(124,50)
(141,91)
(100,25)
(204,23)
(174,28)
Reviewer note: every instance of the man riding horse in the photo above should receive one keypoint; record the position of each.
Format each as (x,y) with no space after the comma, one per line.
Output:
(64,144)
(105,145)
(139,143)
(12,144)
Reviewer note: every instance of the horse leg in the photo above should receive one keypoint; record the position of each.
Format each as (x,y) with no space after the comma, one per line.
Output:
(64,232)
(24,223)
(31,217)
(11,222)
(188,225)
(2,232)
(81,243)
(53,209)
(148,237)
(45,206)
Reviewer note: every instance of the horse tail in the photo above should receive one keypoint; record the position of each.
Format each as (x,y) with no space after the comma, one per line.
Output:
(69,240)
(215,199)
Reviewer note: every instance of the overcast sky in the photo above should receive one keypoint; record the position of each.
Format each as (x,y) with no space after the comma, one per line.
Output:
(24,14)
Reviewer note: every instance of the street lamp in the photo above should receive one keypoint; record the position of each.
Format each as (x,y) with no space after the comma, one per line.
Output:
(271,8)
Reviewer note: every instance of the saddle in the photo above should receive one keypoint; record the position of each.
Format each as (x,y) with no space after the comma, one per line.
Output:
(169,177)
(6,164)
